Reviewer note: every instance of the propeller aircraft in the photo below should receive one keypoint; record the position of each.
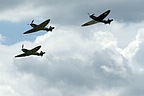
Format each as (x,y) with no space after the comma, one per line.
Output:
(28,52)
(41,26)
(98,19)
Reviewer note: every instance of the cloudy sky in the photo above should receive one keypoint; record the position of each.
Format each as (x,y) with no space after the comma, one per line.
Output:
(98,60)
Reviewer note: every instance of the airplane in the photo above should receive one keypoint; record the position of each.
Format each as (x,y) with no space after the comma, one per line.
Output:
(41,26)
(30,52)
(98,19)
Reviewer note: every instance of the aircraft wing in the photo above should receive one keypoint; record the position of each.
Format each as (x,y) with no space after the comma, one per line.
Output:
(103,15)
(34,50)
(30,31)
(43,24)
(22,55)
(90,23)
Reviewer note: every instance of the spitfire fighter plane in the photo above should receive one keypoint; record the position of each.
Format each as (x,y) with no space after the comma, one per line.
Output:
(30,52)
(98,19)
(41,26)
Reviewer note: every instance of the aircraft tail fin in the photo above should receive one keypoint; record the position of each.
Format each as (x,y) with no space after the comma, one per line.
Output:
(41,53)
(108,21)
(49,29)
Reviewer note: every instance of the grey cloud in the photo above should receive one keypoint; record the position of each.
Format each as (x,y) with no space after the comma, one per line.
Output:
(134,86)
(111,71)
(4,4)
(75,12)
(139,54)
(70,71)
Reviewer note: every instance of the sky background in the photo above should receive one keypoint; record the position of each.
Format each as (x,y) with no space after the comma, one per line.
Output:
(97,60)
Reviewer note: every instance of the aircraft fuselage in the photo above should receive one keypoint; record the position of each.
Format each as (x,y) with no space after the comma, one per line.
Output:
(25,50)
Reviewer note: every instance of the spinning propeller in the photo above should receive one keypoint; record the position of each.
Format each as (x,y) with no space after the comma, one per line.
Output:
(90,15)
(22,46)
(31,22)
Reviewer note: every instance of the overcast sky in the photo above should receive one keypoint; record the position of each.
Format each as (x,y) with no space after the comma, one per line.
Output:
(98,60)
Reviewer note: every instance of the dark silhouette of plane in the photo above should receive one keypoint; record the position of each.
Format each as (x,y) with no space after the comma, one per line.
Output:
(41,26)
(98,19)
(30,52)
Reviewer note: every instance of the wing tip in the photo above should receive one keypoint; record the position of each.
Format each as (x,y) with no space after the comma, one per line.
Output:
(25,33)
(82,25)
(16,56)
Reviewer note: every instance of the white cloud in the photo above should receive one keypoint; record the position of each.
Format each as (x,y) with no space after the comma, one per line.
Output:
(73,65)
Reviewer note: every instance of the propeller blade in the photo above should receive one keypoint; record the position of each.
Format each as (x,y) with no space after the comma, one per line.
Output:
(22,46)
(88,14)
(31,22)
